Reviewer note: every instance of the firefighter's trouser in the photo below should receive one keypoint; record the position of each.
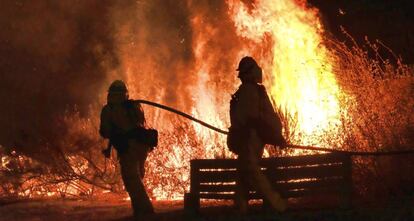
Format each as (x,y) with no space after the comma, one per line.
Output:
(132,170)
(251,177)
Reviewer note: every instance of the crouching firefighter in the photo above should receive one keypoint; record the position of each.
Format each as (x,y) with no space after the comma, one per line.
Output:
(123,123)
(254,123)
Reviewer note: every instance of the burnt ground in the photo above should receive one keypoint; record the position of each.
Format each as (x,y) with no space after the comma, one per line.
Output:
(119,210)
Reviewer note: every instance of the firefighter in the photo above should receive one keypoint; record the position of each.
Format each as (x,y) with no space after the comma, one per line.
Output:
(119,117)
(254,123)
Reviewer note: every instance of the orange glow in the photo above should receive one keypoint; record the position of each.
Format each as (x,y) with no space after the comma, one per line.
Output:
(299,73)
(286,39)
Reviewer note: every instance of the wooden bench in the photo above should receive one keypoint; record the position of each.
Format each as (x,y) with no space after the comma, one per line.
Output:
(293,177)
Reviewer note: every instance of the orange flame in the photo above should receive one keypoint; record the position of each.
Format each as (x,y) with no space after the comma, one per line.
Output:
(299,72)
(284,36)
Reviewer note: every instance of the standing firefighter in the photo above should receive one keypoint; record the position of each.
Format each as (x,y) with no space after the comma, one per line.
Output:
(254,123)
(122,122)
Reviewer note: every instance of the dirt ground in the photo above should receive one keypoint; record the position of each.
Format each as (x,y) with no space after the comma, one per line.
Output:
(119,210)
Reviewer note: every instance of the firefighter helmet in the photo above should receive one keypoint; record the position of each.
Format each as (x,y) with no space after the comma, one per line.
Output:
(117,86)
(246,64)
(249,70)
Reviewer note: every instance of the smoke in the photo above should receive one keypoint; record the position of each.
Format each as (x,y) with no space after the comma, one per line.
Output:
(183,54)
(169,54)
(155,47)
(58,58)
(55,56)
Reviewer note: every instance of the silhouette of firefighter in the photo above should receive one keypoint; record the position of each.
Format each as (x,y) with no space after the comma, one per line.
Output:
(123,123)
(254,123)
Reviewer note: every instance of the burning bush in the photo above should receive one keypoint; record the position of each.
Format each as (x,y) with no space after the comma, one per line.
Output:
(74,168)
(378,117)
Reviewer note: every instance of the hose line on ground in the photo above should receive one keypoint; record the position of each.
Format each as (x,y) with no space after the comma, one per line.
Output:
(354,153)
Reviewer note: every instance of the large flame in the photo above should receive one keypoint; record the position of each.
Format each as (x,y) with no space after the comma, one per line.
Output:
(284,36)
(191,66)
(299,71)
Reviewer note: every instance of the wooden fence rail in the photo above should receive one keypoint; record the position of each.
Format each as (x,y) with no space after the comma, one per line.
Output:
(293,177)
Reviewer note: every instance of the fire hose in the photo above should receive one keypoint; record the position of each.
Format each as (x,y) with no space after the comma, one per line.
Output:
(313,148)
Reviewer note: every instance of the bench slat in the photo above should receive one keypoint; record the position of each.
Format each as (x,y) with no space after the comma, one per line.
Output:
(276,174)
(303,192)
(326,183)
(313,192)
(271,162)
(303,160)
(285,194)
(306,172)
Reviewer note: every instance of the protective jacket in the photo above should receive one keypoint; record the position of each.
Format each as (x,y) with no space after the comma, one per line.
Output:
(250,108)
(123,121)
